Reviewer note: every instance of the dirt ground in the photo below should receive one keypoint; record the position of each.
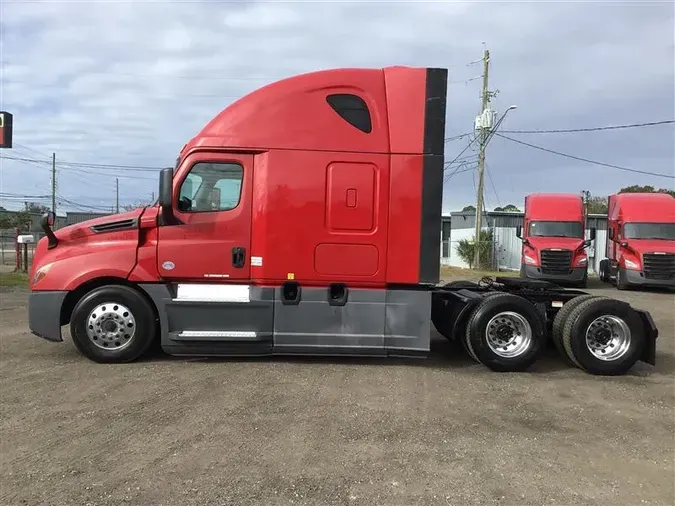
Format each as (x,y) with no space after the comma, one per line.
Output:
(444,431)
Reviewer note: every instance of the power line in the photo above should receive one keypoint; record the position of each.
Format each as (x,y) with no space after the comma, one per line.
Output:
(447,164)
(456,137)
(590,129)
(458,171)
(79,170)
(140,168)
(595,162)
(494,188)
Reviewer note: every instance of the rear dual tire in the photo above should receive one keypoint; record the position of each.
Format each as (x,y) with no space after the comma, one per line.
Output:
(505,333)
(602,336)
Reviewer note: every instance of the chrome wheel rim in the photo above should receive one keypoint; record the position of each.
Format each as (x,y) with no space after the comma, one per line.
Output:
(111,326)
(508,334)
(608,338)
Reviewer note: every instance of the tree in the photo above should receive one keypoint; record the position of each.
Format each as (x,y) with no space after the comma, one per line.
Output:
(5,220)
(33,208)
(131,207)
(13,220)
(646,189)
(509,208)
(469,209)
(597,205)
(465,249)
(22,220)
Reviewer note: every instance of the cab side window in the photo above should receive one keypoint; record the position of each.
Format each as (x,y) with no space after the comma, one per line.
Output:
(211,187)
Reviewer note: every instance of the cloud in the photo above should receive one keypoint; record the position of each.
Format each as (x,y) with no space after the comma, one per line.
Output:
(128,83)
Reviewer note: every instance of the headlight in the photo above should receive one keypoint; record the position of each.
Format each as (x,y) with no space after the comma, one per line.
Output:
(630,264)
(41,273)
(582,261)
(530,260)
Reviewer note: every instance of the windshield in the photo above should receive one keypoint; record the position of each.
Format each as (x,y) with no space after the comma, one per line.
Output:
(662,231)
(557,229)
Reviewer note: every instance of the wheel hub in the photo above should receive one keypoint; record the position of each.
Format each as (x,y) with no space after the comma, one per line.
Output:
(111,326)
(608,338)
(504,332)
(509,334)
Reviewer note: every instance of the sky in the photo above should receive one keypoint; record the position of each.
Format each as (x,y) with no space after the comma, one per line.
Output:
(116,88)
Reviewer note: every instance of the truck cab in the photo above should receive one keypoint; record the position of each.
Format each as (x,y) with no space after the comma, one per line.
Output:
(303,218)
(553,237)
(640,245)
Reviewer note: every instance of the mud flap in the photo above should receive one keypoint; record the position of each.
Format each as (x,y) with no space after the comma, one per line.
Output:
(651,334)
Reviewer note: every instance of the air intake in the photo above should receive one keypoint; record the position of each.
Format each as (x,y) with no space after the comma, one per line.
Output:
(115,226)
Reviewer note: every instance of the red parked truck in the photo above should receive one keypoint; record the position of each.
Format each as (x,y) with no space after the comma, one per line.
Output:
(305,218)
(640,246)
(554,244)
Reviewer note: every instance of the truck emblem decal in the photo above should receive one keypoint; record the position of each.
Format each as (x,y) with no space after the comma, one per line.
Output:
(168,265)
(216,275)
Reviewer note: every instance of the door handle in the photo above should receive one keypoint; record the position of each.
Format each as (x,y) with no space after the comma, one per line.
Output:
(238,257)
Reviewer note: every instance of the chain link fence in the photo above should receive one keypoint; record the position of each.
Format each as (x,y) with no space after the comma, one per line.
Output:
(14,256)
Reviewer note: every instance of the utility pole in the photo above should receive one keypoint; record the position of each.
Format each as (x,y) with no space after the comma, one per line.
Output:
(484,130)
(54,184)
(586,196)
(117,194)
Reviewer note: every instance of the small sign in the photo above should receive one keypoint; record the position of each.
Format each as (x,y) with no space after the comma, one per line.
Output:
(6,123)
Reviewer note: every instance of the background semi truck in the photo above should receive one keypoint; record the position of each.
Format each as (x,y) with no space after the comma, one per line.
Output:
(640,246)
(553,236)
(305,218)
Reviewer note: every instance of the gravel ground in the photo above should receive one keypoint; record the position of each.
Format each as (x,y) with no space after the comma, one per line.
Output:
(444,431)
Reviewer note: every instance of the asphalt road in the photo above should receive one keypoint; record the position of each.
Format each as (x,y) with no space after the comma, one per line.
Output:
(444,431)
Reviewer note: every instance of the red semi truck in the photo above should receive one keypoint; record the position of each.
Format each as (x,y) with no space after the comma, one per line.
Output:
(305,218)
(640,246)
(553,236)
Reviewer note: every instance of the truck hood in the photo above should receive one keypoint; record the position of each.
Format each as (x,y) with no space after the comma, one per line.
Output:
(104,224)
(555,242)
(651,245)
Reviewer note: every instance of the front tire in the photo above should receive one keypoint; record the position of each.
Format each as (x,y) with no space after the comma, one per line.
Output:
(620,281)
(584,281)
(603,269)
(604,336)
(113,323)
(505,333)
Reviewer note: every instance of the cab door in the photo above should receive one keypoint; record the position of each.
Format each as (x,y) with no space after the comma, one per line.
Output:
(211,238)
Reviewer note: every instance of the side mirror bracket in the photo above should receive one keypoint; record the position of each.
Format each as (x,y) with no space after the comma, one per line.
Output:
(166,196)
(48,219)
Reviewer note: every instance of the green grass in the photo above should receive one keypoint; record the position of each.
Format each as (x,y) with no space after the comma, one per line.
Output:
(13,279)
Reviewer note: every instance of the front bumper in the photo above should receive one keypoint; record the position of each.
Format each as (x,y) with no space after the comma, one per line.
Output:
(637,278)
(44,314)
(575,275)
